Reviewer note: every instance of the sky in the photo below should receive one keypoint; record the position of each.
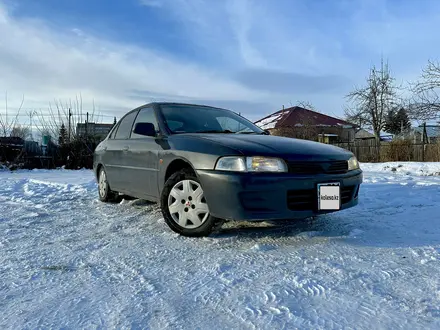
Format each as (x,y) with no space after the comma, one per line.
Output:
(250,56)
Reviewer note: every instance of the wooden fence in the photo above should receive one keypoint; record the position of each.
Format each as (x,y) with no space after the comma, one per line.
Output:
(398,150)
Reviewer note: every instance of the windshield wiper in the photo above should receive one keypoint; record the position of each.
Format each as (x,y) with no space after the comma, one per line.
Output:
(215,131)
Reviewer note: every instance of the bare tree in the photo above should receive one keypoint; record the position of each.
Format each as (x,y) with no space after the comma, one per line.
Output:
(6,125)
(371,103)
(307,105)
(304,104)
(425,100)
(68,114)
(23,132)
(49,121)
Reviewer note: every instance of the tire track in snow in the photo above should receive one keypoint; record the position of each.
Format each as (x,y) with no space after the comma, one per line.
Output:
(274,279)
(367,311)
(129,278)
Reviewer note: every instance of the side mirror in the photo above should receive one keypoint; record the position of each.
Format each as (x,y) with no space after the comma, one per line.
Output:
(146,129)
(266,132)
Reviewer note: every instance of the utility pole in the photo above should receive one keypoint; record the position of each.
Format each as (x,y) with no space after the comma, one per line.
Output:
(30,123)
(423,141)
(70,115)
(31,115)
(6,105)
(87,122)
(6,109)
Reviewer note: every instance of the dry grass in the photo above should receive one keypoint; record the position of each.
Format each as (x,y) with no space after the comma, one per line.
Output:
(398,150)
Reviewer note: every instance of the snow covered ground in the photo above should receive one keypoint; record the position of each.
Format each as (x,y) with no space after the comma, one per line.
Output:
(69,261)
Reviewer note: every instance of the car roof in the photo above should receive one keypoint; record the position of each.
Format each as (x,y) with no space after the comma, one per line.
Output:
(182,103)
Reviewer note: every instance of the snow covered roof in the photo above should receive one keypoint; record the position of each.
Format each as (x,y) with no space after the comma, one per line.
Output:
(382,133)
(297,116)
(270,121)
(365,133)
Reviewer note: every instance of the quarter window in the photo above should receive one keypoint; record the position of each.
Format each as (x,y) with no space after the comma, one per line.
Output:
(113,132)
(125,126)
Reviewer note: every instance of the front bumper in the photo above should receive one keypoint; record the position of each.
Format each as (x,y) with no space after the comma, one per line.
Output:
(272,196)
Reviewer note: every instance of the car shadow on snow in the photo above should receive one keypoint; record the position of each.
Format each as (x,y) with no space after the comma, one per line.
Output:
(394,215)
(388,215)
(322,227)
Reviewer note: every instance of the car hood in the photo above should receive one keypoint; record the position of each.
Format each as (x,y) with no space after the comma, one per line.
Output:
(269,145)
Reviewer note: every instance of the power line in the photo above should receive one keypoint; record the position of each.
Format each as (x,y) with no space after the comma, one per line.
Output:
(50,115)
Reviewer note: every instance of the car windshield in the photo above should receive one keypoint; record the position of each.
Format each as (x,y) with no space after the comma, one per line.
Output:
(200,119)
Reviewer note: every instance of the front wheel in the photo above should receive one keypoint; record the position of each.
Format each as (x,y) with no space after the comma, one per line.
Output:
(185,208)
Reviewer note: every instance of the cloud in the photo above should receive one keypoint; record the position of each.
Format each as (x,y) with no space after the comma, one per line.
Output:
(341,38)
(45,64)
(151,3)
(286,82)
(254,55)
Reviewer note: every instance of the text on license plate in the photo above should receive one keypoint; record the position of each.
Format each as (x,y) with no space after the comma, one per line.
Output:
(329,196)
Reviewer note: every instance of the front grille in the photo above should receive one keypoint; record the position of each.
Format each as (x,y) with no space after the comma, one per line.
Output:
(338,167)
(305,168)
(312,168)
(303,200)
(346,194)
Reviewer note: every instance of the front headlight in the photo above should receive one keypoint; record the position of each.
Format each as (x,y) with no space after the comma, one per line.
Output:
(353,164)
(251,164)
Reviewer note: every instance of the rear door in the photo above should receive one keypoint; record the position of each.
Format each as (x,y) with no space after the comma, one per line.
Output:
(117,148)
(143,156)
(108,157)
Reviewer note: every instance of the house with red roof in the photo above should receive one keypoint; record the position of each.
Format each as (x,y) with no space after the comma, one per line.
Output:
(298,122)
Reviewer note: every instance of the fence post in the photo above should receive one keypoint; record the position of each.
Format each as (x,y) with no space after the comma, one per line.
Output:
(423,142)
(70,116)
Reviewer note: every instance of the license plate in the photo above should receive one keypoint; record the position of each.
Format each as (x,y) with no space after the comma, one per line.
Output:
(329,196)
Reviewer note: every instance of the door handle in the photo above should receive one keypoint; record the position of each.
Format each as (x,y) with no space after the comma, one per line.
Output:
(125,148)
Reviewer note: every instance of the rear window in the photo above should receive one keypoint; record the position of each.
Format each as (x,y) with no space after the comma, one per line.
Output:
(125,126)
(111,134)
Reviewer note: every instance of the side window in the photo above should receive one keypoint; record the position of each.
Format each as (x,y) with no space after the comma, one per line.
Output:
(146,115)
(124,128)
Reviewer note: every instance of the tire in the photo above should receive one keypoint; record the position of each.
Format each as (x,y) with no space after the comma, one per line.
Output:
(184,207)
(104,192)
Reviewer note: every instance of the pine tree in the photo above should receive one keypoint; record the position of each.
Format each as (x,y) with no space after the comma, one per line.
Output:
(397,121)
(63,135)
(390,126)
(402,119)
